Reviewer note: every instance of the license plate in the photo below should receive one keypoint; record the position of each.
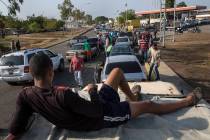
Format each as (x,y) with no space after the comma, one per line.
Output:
(10,72)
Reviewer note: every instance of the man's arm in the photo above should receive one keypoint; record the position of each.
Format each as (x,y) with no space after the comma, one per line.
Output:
(79,105)
(21,117)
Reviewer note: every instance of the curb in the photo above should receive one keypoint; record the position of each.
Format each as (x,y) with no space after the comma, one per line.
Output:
(69,38)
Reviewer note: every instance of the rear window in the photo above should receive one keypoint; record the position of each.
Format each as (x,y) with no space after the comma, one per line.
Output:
(122,40)
(127,67)
(92,40)
(77,47)
(12,60)
(120,50)
(30,56)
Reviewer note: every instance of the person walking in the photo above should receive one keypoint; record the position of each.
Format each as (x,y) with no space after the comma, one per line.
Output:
(76,66)
(87,49)
(154,58)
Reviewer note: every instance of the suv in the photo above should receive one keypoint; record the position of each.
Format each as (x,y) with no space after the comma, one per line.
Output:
(14,67)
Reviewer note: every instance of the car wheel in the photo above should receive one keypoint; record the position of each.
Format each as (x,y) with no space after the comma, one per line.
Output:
(61,66)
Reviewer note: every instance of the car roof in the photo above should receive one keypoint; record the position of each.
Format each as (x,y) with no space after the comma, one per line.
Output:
(23,52)
(121,58)
(76,44)
(123,44)
(123,37)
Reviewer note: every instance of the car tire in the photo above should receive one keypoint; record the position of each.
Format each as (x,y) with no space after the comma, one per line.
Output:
(61,66)
(12,83)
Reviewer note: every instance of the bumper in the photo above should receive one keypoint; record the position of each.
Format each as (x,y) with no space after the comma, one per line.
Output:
(70,57)
(25,77)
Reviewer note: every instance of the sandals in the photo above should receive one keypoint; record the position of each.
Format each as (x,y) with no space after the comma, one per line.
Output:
(197,95)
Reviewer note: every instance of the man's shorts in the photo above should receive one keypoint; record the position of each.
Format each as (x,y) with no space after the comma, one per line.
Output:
(115,112)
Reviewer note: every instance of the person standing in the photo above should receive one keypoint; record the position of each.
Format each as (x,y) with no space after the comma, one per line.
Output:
(12,45)
(76,66)
(87,49)
(143,46)
(18,45)
(154,54)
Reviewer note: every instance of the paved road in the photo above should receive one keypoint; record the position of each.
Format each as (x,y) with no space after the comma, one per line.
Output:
(8,93)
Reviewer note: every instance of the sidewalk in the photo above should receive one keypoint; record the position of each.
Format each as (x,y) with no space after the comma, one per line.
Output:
(168,75)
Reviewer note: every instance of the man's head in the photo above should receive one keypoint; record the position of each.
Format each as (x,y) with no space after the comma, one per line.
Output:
(41,68)
(155,46)
(76,54)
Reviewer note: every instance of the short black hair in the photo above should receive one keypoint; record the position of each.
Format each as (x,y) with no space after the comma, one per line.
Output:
(39,65)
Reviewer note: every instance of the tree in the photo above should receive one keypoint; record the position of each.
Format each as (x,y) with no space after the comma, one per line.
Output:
(101,20)
(182,4)
(14,6)
(66,9)
(170,3)
(130,14)
(89,19)
(121,20)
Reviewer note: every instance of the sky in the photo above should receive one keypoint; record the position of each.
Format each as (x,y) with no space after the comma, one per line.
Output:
(107,8)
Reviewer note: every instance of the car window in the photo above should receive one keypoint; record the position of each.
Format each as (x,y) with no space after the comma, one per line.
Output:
(127,67)
(122,40)
(29,56)
(77,47)
(49,53)
(12,60)
(120,51)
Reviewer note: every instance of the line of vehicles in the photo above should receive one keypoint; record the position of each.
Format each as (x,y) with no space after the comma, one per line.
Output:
(14,67)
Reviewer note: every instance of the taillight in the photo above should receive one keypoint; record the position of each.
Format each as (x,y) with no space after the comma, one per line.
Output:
(26,69)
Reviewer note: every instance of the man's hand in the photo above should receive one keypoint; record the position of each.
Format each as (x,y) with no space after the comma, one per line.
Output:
(90,88)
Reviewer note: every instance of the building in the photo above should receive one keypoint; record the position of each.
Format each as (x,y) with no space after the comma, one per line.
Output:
(153,16)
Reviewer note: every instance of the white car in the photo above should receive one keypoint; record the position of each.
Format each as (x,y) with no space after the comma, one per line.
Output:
(124,39)
(133,70)
(14,67)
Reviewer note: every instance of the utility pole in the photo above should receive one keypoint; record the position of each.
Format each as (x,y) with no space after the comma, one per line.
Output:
(174,21)
(162,21)
(126,8)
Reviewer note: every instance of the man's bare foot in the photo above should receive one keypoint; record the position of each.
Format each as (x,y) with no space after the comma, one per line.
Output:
(194,97)
(136,90)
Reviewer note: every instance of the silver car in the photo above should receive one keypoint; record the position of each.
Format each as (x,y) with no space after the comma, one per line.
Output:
(14,67)
(129,64)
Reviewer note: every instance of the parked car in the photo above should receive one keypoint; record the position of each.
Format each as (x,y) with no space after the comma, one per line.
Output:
(14,67)
(93,42)
(204,22)
(129,64)
(122,48)
(76,48)
(124,39)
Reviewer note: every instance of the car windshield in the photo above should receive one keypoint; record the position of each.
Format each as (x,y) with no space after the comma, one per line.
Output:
(122,39)
(77,47)
(127,67)
(12,60)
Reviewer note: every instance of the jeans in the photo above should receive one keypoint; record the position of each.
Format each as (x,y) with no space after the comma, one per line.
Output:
(155,68)
(78,77)
(144,54)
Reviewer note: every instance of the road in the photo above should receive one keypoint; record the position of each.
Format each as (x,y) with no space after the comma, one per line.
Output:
(9,93)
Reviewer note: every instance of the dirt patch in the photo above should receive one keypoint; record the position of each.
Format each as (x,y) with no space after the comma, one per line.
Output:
(40,40)
(189,57)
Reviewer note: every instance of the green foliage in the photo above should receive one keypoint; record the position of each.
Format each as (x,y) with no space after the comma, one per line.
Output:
(78,15)
(182,4)
(101,20)
(34,27)
(170,3)
(130,14)
(89,19)
(65,9)
(121,20)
